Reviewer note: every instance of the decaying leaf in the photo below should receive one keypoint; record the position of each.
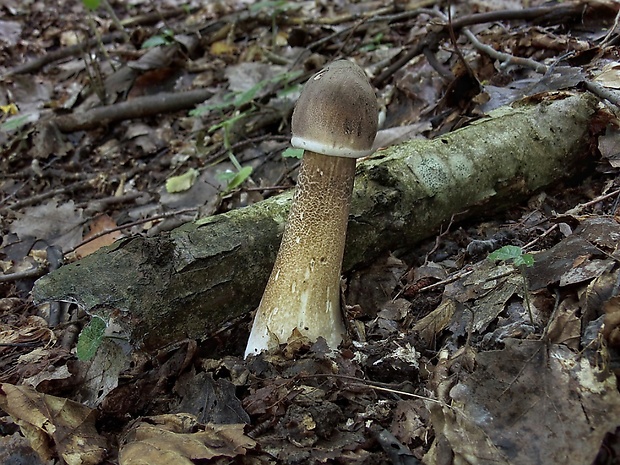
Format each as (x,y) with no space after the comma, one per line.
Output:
(54,426)
(58,224)
(97,226)
(180,439)
(611,328)
(529,403)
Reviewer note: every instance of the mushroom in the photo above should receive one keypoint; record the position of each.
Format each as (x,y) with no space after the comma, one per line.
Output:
(335,122)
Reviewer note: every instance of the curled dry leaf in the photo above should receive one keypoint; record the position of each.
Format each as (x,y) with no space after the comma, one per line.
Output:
(54,426)
(98,225)
(180,439)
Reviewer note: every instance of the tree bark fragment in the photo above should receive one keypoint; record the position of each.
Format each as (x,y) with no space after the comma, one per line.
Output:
(191,281)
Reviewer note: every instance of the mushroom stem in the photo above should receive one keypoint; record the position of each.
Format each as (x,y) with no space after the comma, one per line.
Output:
(303,290)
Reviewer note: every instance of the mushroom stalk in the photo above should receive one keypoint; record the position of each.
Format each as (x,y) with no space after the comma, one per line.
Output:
(334,122)
(303,290)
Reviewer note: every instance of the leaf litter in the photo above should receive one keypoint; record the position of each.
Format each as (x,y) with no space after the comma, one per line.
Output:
(453,358)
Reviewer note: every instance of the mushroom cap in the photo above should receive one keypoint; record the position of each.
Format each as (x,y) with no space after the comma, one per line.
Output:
(336,113)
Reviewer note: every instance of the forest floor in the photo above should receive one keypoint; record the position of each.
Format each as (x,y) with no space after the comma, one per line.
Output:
(131,118)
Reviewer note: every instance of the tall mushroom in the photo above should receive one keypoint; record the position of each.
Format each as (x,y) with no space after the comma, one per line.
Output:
(335,122)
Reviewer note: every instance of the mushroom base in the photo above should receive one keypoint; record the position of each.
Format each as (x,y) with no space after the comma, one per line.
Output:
(303,290)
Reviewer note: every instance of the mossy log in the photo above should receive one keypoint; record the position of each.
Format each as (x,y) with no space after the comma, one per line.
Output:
(192,280)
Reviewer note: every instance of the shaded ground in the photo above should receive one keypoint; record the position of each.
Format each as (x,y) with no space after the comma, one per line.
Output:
(454,358)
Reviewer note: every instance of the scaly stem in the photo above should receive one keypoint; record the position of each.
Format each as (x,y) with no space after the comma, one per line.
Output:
(303,290)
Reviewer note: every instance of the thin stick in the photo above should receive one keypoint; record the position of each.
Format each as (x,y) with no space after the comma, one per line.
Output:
(594,87)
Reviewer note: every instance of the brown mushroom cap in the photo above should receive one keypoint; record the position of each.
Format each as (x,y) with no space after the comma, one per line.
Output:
(336,113)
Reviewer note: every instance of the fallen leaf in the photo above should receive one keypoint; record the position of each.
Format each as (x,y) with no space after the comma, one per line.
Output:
(180,439)
(54,426)
(98,225)
(529,403)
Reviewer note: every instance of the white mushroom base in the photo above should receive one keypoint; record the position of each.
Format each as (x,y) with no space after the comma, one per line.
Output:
(303,290)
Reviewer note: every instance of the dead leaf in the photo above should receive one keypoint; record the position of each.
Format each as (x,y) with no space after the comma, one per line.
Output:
(436,321)
(57,224)
(528,404)
(97,226)
(611,328)
(565,324)
(180,439)
(54,426)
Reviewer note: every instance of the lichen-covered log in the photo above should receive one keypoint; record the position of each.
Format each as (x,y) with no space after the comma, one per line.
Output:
(189,282)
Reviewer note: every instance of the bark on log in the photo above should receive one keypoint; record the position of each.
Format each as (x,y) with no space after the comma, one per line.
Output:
(189,282)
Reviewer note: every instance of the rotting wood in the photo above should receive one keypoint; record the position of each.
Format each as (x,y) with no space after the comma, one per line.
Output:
(191,281)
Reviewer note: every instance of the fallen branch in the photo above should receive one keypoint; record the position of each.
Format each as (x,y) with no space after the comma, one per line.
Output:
(191,281)
(557,14)
(50,57)
(139,107)
(594,87)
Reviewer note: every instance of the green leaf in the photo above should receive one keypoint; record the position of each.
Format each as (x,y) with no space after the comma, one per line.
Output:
(248,95)
(524,260)
(90,338)
(91,4)
(201,110)
(155,41)
(508,252)
(182,182)
(293,153)
(514,253)
(15,123)
(234,179)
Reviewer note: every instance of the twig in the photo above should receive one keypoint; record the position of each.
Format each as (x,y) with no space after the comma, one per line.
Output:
(139,107)
(545,234)
(458,275)
(37,63)
(130,225)
(575,210)
(374,385)
(433,38)
(594,87)
(27,274)
(46,195)
(442,233)
(504,57)
(50,57)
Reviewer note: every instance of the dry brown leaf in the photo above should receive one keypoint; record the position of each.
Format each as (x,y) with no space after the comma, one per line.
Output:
(529,403)
(436,321)
(180,439)
(611,327)
(54,425)
(565,324)
(98,225)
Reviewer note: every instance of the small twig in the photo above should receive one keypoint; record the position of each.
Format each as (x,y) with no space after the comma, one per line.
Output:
(110,200)
(47,194)
(27,274)
(607,37)
(433,38)
(242,144)
(458,275)
(573,211)
(594,87)
(442,233)
(139,107)
(576,210)
(131,225)
(384,387)
(504,57)
(106,5)
(545,234)
(50,57)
